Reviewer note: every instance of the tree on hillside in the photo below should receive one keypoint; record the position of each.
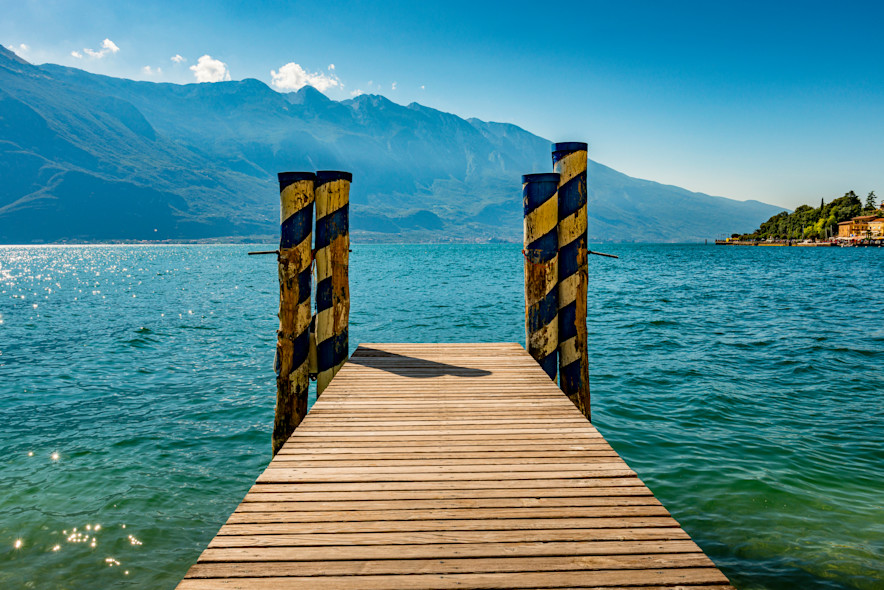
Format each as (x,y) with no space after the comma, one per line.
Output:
(870,203)
(846,207)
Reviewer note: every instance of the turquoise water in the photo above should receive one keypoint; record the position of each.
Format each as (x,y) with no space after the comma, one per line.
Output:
(743,384)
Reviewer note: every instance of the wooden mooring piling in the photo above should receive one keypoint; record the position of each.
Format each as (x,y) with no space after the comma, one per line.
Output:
(293,337)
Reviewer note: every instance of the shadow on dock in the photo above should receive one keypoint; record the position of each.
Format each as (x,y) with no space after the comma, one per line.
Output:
(408,366)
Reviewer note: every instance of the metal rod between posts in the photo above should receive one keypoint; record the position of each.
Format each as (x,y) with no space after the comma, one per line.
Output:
(569,160)
(541,268)
(295,257)
(332,268)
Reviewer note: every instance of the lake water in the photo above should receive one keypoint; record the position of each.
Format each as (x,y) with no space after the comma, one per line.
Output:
(744,385)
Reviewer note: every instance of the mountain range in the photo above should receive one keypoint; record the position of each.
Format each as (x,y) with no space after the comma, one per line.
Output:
(85,157)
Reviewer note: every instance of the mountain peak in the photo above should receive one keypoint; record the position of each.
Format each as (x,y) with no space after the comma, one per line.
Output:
(374,100)
(307,95)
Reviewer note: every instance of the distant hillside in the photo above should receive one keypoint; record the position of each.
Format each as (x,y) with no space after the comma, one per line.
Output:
(89,157)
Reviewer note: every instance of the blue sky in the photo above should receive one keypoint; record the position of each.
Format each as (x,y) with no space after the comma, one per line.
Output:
(779,102)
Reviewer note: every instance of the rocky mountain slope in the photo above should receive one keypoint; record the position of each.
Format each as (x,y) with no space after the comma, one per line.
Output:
(89,157)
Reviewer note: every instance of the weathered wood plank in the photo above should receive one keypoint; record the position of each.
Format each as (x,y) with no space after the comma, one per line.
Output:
(439,498)
(660,578)
(449,565)
(289,502)
(445,551)
(643,533)
(244,524)
(340,492)
(285,513)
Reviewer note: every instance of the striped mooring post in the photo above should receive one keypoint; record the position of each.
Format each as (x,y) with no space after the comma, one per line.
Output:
(540,205)
(332,279)
(292,342)
(569,160)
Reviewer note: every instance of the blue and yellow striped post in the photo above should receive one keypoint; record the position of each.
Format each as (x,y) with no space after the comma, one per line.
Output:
(292,342)
(541,268)
(332,280)
(569,160)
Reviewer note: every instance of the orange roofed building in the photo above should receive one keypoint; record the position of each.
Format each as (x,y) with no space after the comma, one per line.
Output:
(862,227)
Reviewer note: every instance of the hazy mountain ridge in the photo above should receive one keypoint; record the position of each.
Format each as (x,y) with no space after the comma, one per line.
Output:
(90,157)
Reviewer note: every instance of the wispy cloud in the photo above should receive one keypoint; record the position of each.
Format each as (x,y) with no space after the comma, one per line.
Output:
(77,54)
(423,87)
(208,69)
(178,59)
(107,47)
(149,71)
(292,76)
(22,49)
(331,67)
(356,92)
(394,86)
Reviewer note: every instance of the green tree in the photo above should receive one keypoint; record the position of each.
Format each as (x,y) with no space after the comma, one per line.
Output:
(808,222)
(870,203)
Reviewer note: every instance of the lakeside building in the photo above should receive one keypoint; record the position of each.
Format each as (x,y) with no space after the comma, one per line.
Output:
(858,227)
(862,227)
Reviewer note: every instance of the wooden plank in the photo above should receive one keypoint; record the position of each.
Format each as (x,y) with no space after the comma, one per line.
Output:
(601,463)
(627,486)
(434,445)
(445,550)
(287,513)
(284,493)
(643,533)
(244,524)
(441,487)
(449,565)
(282,475)
(449,466)
(290,502)
(577,579)
(391,455)
(502,450)
(337,461)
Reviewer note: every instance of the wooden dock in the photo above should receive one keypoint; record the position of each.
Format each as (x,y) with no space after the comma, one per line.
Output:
(449,466)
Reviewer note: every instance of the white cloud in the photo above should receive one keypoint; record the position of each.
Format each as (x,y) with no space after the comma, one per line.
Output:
(77,54)
(148,71)
(394,86)
(107,46)
(356,92)
(291,76)
(331,67)
(178,59)
(423,87)
(208,69)
(22,48)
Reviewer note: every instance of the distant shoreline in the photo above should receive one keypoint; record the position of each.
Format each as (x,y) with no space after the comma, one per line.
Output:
(802,244)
